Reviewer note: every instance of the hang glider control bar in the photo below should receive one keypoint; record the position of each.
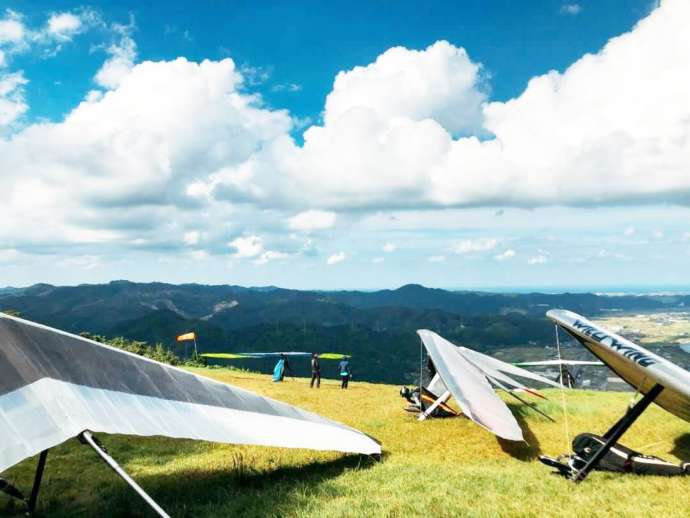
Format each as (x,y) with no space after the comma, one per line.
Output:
(89,439)
(611,437)
(85,438)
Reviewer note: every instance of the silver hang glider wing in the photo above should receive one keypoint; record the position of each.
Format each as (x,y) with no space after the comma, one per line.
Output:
(54,386)
(639,367)
(470,388)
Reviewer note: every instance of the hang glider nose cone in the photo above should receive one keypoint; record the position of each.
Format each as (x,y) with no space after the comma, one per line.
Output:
(561,316)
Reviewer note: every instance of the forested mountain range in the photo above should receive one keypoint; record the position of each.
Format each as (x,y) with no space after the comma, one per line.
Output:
(377,327)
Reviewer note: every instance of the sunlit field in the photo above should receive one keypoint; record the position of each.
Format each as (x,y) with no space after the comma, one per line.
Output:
(445,467)
(658,328)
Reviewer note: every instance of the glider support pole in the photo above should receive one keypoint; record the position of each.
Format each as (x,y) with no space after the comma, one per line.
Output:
(89,439)
(421,379)
(40,468)
(442,399)
(617,430)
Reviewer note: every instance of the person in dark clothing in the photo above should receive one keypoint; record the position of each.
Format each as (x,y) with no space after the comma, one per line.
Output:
(431,368)
(315,371)
(286,367)
(567,378)
(344,370)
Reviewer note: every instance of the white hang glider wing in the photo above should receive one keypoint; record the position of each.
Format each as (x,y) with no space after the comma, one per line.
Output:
(55,386)
(638,366)
(468,376)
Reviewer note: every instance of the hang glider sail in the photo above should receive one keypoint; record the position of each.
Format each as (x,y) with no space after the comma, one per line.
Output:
(55,386)
(244,356)
(659,380)
(470,377)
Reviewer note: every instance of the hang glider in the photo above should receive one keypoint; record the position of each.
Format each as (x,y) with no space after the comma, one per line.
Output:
(659,380)
(244,356)
(470,377)
(557,363)
(55,386)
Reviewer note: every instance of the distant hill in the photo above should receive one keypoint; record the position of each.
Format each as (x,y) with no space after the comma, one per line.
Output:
(377,327)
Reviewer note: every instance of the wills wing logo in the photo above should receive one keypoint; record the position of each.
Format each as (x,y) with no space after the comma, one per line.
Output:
(605,339)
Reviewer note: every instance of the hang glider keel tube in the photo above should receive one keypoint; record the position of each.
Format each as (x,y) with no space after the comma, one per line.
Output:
(88,439)
(612,435)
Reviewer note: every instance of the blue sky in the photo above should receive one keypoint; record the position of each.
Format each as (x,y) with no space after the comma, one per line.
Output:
(346,145)
(309,45)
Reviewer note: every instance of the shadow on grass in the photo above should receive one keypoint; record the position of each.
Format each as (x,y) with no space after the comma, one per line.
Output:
(681,447)
(524,451)
(240,491)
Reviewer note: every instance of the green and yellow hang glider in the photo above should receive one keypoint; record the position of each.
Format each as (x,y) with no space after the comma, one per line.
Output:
(244,356)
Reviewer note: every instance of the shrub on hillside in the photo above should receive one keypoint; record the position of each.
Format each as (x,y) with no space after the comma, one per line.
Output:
(156,352)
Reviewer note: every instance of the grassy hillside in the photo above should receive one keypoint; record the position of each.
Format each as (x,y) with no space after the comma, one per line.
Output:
(435,468)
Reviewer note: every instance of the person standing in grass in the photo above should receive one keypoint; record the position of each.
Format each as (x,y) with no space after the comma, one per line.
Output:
(344,369)
(315,371)
(280,368)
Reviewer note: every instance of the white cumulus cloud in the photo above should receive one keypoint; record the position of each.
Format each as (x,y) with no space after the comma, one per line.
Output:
(571,9)
(247,246)
(120,61)
(12,98)
(336,258)
(467,246)
(587,136)
(63,26)
(388,247)
(312,220)
(191,238)
(537,259)
(167,126)
(439,83)
(271,255)
(12,29)
(505,255)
